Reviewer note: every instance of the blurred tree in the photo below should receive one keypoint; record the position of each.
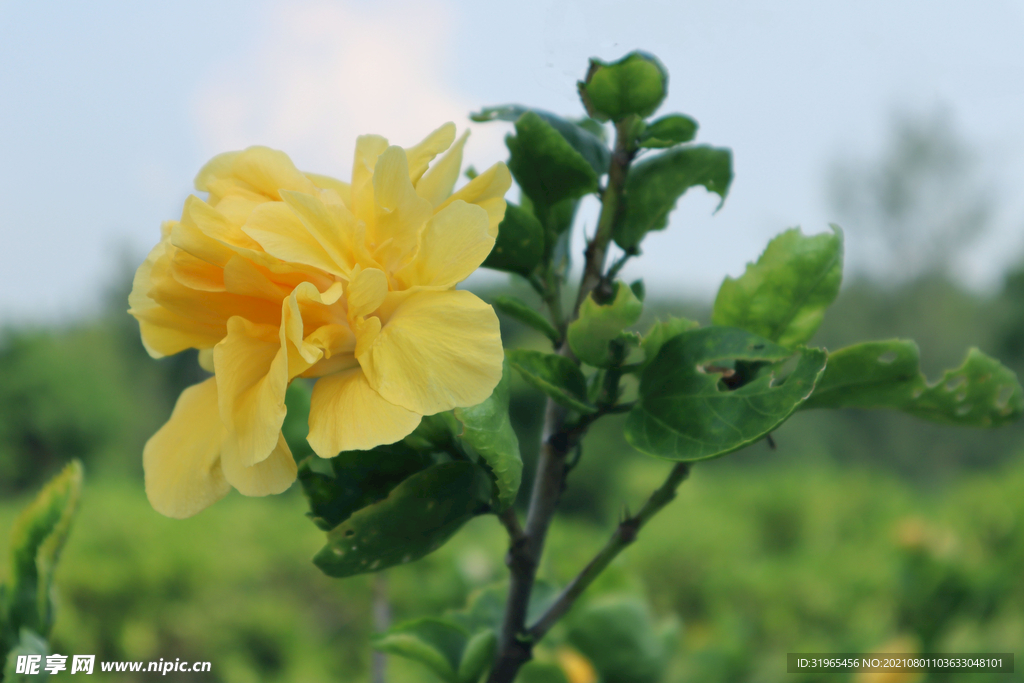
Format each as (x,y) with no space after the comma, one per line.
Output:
(917,205)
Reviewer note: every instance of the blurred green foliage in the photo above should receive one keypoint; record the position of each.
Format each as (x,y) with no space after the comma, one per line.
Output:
(795,559)
(860,527)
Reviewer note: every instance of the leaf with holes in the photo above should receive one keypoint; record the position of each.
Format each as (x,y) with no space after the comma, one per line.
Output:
(598,324)
(683,411)
(487,430)
(352,480)
(555,375)
(654,185)
(418,516)
(784,295)
(886,374)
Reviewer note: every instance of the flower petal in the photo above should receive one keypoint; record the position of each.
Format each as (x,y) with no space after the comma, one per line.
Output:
(345,414)
(421,155)
(343,189)
(368,149)
(439,350)
(437,183)
(487,190)
(400,212)
(366,292)
(252,376)
(274,474)
(182,460)
(282,233)
(261,169)
(454,244)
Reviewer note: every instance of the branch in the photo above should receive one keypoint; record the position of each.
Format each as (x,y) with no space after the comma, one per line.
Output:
(623,536)
(515,645)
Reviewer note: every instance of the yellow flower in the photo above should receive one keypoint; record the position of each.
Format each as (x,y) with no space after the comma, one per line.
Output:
(282,274)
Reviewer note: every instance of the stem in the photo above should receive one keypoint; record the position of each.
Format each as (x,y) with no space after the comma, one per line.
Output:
(558,438)
(623,536)
(381,623)
(610,201)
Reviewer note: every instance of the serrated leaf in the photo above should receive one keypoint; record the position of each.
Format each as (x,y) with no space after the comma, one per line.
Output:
(545,165)
(352,480)
(668,131)
(661,331)
(555,375)
(519,247)
(634,85)
(582,136)
(886,374)
(654,185)
(784,295)
(296,421)
(598,324)
(518,310)
(36,540)
(684,414)
(418,516)
(619,637)
(28,643)
(487,429)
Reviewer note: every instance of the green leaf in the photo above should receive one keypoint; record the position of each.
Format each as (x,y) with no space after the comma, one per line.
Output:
(886,374)
(29,643)
(352,480)
(545,165)
(618,635)
(784,295)
(477,656)
(296,421)
(519,247)
(517,310)
(684,414)
(668,131)
(661,332)
(435,642)
(586,137)
(36,540)
(555,375)
(417,517)
(487,429)
(599,324)
(654,185)
(634,85)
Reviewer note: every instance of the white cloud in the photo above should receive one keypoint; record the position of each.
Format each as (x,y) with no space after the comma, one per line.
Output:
(318,74)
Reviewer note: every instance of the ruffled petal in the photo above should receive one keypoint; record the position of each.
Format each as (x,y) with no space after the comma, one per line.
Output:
(252,376)
(401,213)
(345,414)
(368,149)
(366,292)
(488,191)
(282,233)
(421,155)
(182,460)
(454,244)
(439,350)
(437,183)
(274,474)
(260,169)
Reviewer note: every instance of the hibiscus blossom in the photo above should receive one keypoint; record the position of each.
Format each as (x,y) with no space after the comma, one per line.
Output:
(283,274)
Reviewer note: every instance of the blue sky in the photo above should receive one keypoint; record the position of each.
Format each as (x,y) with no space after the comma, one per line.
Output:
(108,109)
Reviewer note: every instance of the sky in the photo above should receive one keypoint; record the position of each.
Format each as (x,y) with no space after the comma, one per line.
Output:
(108,109)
